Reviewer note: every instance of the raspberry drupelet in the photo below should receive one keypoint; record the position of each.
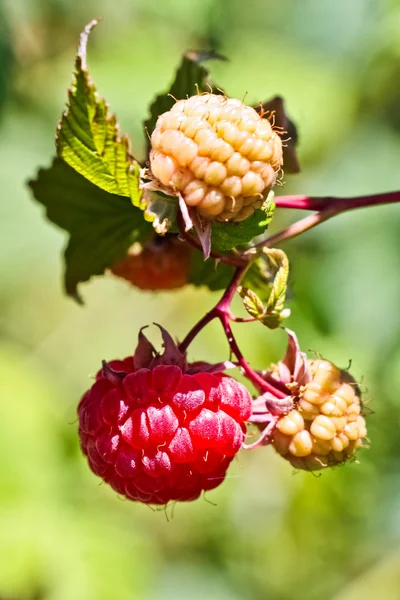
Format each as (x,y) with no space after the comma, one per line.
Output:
(157,429)
(220,155)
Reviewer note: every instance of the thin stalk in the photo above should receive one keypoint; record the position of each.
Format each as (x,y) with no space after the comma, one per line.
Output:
(328,207)
(235,319)
(223,312)
(251,374)
(210,316)
(339,204)
(296,229)
(223,306)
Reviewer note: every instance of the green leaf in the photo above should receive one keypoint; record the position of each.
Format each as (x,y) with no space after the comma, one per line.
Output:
(88,137)
(251,302)
(271,279)
(225,236)
(101,226)
(191,77)
(211,273)
(259,278)
(275,310)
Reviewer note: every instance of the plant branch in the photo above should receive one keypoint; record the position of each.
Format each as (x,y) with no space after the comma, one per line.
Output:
(296,228)
(223,306)
(222,311)
(257,380)
(210,316)
(339,204)
(328,207)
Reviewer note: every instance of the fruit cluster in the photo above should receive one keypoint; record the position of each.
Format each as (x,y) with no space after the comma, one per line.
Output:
(158,429)
(153,426)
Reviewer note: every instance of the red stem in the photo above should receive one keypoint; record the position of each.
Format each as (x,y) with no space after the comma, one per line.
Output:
(338,204)
(328,207)
(222,311)
(296,228)
(223,307)
(210,316)
(258,381)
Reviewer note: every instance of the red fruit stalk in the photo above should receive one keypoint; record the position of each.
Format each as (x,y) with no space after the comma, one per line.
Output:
(157,429)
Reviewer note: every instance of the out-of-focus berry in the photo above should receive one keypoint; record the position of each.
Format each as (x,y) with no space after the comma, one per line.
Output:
(220,155)
(162,264)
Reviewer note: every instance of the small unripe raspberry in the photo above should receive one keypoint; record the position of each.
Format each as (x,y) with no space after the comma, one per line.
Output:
(220,155)
(325,427)
(162,264)
(157,429)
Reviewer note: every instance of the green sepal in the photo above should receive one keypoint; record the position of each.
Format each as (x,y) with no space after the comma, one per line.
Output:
(225,236)
(101,226)
(252,302)
(259,278)
(161,211)
(88,138)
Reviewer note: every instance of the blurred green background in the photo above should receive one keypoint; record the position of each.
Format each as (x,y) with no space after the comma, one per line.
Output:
(272,534)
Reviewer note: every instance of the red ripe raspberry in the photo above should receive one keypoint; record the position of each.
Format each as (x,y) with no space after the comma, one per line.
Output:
(162,264)
(166,431)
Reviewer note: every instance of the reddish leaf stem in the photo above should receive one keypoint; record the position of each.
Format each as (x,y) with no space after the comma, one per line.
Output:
(235,319)
(222,311)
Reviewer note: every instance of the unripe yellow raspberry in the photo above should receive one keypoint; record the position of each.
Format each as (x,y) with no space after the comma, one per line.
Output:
(220,155)
(325,427)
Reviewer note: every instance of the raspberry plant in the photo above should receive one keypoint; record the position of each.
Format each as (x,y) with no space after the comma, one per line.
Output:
(195,211)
